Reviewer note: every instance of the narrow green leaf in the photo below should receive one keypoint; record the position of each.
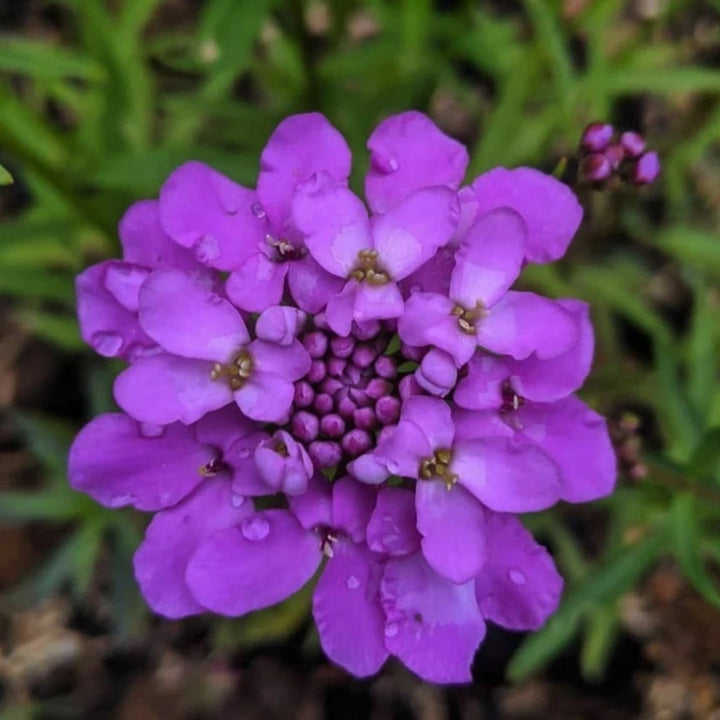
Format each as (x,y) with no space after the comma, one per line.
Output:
(47,438)
(39,58)
(61,330)
(602,630)
(685,526)
(5,177)
(665,82)
(604,584)
(53,505)
(37,285)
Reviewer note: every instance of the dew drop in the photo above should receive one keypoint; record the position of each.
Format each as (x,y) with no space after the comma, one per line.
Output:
(206,249)
(237,500)
(391,630)
(352,583)
(255,528)
(149,430)
(517,576)
(392,164)
(107,344)
(390,542)
(258,210)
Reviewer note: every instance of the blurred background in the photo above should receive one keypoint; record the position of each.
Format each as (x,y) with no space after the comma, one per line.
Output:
(99,100)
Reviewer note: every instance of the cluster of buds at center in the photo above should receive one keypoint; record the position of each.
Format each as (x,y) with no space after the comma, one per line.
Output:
(367,269)
(605,155)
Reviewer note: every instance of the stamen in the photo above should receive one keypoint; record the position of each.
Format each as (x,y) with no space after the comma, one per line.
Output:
(438,466)
(236,373)
(467,318)
(367,269)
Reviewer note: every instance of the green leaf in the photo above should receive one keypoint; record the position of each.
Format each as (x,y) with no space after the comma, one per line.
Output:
(698,248)
(5,177)
(602,631)
(668,81)
(61,330)
(685,526)
(55,505)
(37,285)
(47,438)
(602,585)
(39,58)
(702,350)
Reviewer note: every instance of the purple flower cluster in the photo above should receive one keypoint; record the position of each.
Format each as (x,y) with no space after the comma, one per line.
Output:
(605,156)
(317,388)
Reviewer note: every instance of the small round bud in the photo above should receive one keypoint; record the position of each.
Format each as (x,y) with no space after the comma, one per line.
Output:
(342,347)
(385,367)
(364,418)
(304,394)
(305,427)
(385,433)
(360,397)
(595,168)
(596,137)
(408,387)
(364,355)
(324,453)
(323,404)
(336,366)
(437,373)
(387,409)
(647,169)
(317,371)
(412,353)
(615,153)
(356,442)
(316,343)
(633,143)
(344,404)
(365,330)
(331,385)
(332,425)
(377,387)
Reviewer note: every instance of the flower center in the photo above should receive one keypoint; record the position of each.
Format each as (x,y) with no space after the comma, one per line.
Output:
(438,466)
(282,250)
(367,269)
(467,319)
(235,372)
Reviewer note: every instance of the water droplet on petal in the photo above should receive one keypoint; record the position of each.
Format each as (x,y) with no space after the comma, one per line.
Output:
(243,453)
(392,164)
(151,431)
(390,542)
(352,583)
(258,210)
(237,500)
(255,528)
(393,467)
(517,576)
(107,344)
(391,630)
(206,249)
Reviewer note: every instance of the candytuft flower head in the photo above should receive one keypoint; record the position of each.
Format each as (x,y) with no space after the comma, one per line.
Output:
(320,387)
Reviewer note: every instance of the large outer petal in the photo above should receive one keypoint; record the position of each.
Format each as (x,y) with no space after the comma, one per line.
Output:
(377,302)
(482,386)
(519,587)
(577,439)
(391,529)
(433,417)
(334,223)
(300,146)
(556,377)
(548,207)
(347,610)
(310,286)
(203,210)
(109,328)
(433,626)
(290,362)
(257,284)
(186,319)
(490,259)
(265,397)
(113,462)
(410,234)
(352,505)
(408,152)
(452,523)
(507,475)
(171,539)
(146,243)
(522,323)
(162,389)
(223,427)
(264,560)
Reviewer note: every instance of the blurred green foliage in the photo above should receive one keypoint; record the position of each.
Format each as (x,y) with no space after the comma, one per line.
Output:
(97,110)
